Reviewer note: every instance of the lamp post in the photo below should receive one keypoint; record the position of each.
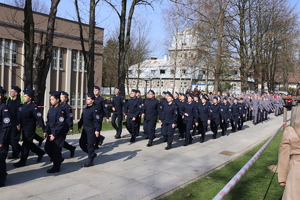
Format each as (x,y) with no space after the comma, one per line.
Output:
(146,80)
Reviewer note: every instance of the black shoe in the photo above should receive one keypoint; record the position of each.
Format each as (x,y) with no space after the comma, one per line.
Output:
(12,157)
(191,141)
(149,144)
(40,157)
(101,140)
(96,147)
(168,147)
(87,164)
(72,151)
(40,143)
(154,136)
(2,184)
(146,137)
(19,164)
(201,140)
(52,170)
(185,144)
(94,156)
(117,136)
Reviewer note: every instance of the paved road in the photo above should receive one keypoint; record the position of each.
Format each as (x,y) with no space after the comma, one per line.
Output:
(130,171)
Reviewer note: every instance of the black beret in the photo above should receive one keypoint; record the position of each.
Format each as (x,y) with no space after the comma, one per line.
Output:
(133,90)
(225,98)
(181,94)
(64,93)
(151,91)
(176,93)
(16,88)
(2,91)
(96,88)
(204,96)
(117,87)
(138,91)
(91,95)
(54,93)
(169,94)
(164,92)
(28,91)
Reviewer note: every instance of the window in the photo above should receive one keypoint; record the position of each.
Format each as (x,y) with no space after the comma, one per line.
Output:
(54,59)
(139,71)
(140,83)
(133,83)
(171,83)
(74,60)
(61,67)
(183,71)
(162,83)
(34,55)
(157,83)
(185,84)
(153,72)
(1,52)
(162,71)
(129,72)
(233,86)
(14,52)
(172,71)
(183,44)
(6,51)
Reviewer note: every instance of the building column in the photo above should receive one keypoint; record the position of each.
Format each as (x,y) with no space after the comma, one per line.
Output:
(46,96)
(68,71)
(22,65)
(57,69)
(10,65)
(2,64)
(82,81)
(76,86)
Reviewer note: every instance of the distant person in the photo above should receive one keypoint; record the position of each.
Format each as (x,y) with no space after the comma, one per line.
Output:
(289,161)
(118,103)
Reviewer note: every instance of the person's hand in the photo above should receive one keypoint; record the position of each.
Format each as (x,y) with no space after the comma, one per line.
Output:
(173,125)
(113,108)
(125,116)
(79,130)
(143,115)
(196,124)
(186,114)
(208,121)
(1,145)
(52,137)
(159,121)
(45,135)
(133,119)
(107,120)
(222,120)
(282,183)
(71,131)
(19,127)
(97,133)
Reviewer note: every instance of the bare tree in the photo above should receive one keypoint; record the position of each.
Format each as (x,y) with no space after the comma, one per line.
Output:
(37,5)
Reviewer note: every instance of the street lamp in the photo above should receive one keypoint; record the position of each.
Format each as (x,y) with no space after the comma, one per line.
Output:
(146,79)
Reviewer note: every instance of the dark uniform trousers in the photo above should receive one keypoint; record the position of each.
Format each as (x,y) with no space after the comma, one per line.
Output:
(202,127)
(149,127)
(234,122)
(118,127)
(54,152)
(28,145)
(180,126)
(86,142)
(3,155)
(188,125)
(132,127)
(241,121)
(168,132)
(224,126)
(14,141)
(214,123)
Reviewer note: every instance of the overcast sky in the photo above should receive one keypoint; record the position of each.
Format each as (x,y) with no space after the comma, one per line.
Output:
(107,19)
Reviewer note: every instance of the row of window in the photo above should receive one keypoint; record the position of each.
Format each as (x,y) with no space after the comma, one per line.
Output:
(163,71)
(158,83)
(8,51)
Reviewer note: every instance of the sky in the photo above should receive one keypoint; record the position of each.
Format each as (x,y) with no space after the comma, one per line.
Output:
(108,19)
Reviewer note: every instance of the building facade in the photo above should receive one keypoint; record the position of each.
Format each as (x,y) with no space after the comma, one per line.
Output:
(67,72)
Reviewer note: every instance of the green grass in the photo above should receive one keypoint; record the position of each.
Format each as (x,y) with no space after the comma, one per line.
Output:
(253,185)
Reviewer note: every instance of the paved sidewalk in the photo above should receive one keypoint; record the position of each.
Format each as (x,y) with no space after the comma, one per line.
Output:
(130,171)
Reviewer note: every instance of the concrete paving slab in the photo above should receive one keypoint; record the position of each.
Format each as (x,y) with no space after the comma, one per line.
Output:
(130,171)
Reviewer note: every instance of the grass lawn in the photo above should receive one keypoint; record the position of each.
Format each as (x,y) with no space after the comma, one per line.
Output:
(253,185)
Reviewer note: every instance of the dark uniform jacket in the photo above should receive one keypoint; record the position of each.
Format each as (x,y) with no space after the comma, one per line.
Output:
(101,107)
(168,114)
(29,115)
(224,111)
(150,109)
(15,107)
(203,111)
(214,112)
(5,124)
(118,103)
(68,110)
(132,108)
(56,124)
(191,110)
(90,120)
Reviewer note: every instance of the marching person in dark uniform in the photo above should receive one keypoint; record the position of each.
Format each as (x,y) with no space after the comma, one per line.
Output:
(29,115)
(235,114)
(180,125)
(141,102)
(118,103)
(90,120)
(196,102)
(190,116)
(132,110)
(5,126)
(56,131)
(64,99)
(150,113)
(14,103)
(214,116)
(163,100)
(225,115)
(203,116)
(243,112)
(168,119)
(101,106)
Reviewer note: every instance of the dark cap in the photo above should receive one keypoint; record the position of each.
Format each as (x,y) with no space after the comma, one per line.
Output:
(64,93)
(54,93)
(16,88)
(215,97)
(28,91)
(2,91)
(117,87)
(151,91)
(133,90)
(138,91)
(164,92)
(225,98)
(96,87)
(204,96)
(176,93)
(241,98)
(181,94)
(169,94)
(91,95)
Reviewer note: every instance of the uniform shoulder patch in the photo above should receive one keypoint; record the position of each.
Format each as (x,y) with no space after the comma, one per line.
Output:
(5,110)
(35,108)
(39,114)
(97,117)
(61,119)
(6,120)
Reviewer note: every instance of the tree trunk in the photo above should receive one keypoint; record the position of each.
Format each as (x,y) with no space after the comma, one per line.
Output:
(29,44)
(43,68)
